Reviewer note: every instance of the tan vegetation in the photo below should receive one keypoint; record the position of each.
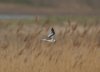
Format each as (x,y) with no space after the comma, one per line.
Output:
(77,48)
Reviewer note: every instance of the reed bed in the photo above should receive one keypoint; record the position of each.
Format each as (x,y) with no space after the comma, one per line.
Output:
(77,46)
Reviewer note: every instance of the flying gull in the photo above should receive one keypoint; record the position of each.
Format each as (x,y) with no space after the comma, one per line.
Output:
(51,36)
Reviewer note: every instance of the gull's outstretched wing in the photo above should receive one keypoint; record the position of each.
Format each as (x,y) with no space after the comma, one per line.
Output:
(49,40)
(51,33)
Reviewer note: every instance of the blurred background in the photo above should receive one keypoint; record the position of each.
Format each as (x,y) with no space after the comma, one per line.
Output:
(23,23)
(50,7)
